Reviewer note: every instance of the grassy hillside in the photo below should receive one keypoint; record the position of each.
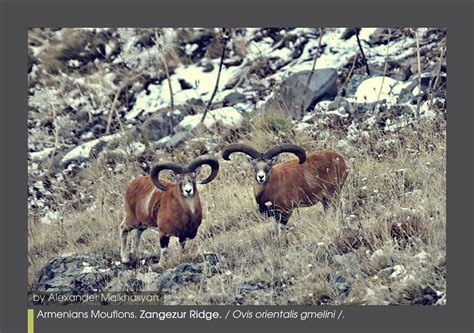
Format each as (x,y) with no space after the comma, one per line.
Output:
(386,244)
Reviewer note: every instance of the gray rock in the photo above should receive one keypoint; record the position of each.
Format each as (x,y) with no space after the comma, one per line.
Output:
(236,61)
(148,281)
(246,287)
(98,148)
(379,36)
(177,140)
(81,115)
(158,125)
(208,67)
(426,79)
(152,259)
(346,260)
(250,286)
(87,150)
(349,32)
(425,296)
(383,36)
(341,283)
(148,278)
(183,274)
(131,281)
(90,273)
(347,263)
(342,104)
(212,260)
(185,84)
(154,129)
(323,86)
(120,282)
(135,284)
(406,95)
(98,130)
(234,98)
(75,273)
(192,106)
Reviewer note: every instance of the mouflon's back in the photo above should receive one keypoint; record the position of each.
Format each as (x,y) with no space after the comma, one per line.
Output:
(292,184)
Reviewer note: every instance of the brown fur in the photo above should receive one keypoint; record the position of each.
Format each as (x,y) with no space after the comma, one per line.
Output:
(291,184)
(168,211)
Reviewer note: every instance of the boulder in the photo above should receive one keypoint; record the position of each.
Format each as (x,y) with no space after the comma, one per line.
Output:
(158,125)
(80,274)
(376,89)
(75,274)
(183,274)
(89,149)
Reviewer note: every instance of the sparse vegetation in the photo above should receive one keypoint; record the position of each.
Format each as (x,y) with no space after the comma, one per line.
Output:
(384,244)
(392,221)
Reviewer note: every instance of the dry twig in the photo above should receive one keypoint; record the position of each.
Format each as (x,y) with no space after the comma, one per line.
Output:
(350,72)
(56,143)
(113,106)
(385,66)
(362,52)
(438,75)
(310,76)
(418,96)
(225,38)
(170,87)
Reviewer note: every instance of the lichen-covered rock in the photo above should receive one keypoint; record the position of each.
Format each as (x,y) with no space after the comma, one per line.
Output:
(80,274)
(76,274)
(182,274)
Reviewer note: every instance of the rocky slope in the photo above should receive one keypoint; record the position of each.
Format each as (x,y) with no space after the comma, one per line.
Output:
(102,96)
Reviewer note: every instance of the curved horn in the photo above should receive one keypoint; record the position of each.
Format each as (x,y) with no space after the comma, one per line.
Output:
(212,162)
(155,173)
(286,148)
(208,160)
(240,148)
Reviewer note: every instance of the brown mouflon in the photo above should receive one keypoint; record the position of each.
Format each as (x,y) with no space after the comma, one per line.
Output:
(172,208)
(278,188)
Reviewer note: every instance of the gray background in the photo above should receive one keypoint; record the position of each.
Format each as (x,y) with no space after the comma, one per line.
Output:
(16,16)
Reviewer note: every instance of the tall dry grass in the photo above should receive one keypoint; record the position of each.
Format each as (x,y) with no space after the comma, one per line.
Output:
(391,223)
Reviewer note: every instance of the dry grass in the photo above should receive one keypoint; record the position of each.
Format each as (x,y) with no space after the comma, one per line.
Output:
(393,212)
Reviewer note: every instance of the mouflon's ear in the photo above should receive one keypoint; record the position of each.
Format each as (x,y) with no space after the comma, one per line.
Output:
(274,160)
(251,160)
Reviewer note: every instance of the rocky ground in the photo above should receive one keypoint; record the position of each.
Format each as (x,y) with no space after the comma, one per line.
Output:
(99,114)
